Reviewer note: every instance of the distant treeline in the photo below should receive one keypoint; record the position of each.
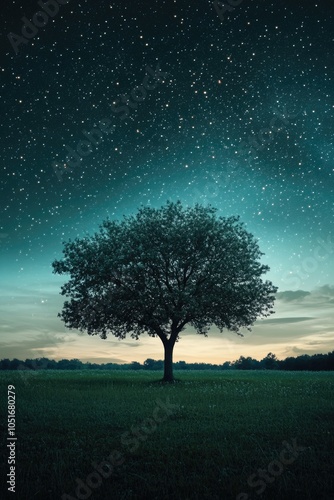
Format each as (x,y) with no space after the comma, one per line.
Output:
(316,362)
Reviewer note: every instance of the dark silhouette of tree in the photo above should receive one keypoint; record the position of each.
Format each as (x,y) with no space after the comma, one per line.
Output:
(152,364)
(72,364)
(5,364)
(14,364)
(270,362)
(149,364)
(246,363)
(180,365)
(329,361)
(316,362)
(51,364)
(135,365)
(162,269)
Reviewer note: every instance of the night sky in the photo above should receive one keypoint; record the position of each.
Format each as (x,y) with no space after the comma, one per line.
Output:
(172,100)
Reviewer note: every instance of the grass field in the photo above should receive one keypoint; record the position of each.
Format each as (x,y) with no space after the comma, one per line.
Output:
(213,435)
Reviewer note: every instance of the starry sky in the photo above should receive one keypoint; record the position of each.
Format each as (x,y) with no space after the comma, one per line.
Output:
(108,106)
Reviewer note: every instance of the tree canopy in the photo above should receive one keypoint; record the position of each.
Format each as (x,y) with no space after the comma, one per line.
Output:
(161,269)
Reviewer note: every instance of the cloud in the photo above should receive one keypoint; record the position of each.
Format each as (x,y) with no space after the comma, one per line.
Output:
(286,320)
(30,328)
(289,295)
(35,345)
(318,299)
(324,293)
(104,359)
(327,290)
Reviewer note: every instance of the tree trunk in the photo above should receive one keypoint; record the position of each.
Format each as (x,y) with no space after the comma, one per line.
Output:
(168,364)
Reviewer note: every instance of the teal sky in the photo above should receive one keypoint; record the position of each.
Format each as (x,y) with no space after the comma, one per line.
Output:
(236,112)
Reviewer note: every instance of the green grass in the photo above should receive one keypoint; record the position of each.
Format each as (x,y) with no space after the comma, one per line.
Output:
(226,426)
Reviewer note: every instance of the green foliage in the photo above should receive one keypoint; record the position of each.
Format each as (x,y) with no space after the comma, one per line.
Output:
(164,268)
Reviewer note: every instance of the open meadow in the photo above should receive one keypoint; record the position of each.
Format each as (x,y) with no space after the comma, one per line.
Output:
(214,435)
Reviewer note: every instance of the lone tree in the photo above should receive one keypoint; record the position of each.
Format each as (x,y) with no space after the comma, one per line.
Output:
(162,269)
